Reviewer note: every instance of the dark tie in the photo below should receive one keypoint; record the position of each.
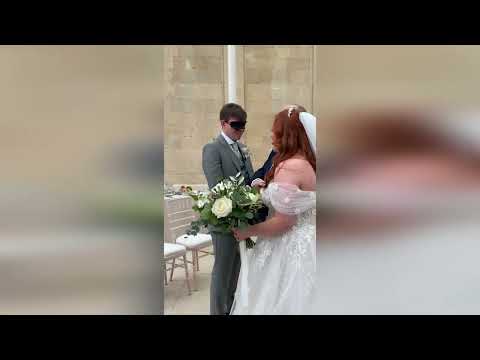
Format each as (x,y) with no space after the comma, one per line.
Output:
(235,149)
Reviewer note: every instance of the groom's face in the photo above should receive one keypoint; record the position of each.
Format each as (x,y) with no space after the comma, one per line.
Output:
(233,128)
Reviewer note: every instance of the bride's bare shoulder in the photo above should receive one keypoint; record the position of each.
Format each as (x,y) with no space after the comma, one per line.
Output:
(296,171)
(295,164)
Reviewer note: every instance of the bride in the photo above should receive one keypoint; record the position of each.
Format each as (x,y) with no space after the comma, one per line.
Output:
(281,267)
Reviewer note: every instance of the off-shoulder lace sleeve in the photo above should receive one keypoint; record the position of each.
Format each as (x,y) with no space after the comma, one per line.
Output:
(289,199)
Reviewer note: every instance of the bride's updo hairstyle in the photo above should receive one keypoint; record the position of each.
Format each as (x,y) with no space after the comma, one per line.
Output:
(289,139)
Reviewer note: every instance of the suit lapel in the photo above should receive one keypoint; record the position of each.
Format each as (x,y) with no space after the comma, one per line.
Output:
(236,161)
(250,168)
(248,163)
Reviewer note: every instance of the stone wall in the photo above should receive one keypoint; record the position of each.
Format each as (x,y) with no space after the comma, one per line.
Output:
(325,79)
(268,78)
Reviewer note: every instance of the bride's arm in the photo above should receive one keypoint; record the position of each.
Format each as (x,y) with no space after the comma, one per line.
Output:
(277,224)
(293,172)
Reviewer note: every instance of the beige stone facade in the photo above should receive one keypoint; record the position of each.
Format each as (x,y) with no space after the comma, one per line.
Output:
(325,79)
(196,89)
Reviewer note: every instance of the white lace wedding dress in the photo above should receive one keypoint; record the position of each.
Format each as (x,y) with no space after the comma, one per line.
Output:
(281,268)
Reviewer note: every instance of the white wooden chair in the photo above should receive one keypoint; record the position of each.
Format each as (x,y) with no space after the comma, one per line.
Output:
(170,253)
(178,221)
(171,250)
(196,244)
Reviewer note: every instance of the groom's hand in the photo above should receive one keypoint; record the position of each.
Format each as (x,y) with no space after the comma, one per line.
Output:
(258,183)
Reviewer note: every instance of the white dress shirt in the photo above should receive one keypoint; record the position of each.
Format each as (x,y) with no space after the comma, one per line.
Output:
(227,139)
(233,145)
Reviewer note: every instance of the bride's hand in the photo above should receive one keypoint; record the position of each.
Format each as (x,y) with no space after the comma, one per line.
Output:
(258,183)
(241,235)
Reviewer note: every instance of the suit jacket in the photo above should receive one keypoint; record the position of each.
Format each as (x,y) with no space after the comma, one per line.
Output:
(219,162)
(262,172)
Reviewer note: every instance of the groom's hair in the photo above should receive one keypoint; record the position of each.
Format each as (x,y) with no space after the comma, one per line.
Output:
(233,110)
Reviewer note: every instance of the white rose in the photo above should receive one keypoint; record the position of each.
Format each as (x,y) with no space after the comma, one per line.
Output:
(222,207)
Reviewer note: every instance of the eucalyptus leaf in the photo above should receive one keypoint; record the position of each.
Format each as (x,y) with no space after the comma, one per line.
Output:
(242,225)
(205,214)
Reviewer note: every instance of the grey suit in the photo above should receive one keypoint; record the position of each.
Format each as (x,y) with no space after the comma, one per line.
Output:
(219,162)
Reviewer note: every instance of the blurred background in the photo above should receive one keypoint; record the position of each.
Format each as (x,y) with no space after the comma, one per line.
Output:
(81,219)
(398,180)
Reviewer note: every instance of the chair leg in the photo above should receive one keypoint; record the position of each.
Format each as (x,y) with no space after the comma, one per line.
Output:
(198,261)
(194,260)
(171,272)
(165,272)
(186,274)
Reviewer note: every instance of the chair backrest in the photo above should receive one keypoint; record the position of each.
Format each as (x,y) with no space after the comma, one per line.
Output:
(179,223)
(178,218)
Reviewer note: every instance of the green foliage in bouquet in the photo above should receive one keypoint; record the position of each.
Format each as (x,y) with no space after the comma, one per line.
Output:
(230,204)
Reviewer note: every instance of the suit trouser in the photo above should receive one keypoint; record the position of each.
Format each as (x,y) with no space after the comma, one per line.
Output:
(226,269)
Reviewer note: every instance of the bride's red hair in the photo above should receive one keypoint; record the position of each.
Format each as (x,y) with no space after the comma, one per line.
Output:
(289,139)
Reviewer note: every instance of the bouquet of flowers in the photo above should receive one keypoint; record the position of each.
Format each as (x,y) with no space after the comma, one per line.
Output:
(230,204)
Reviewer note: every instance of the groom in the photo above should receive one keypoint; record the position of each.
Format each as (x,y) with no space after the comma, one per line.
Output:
(222,158)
